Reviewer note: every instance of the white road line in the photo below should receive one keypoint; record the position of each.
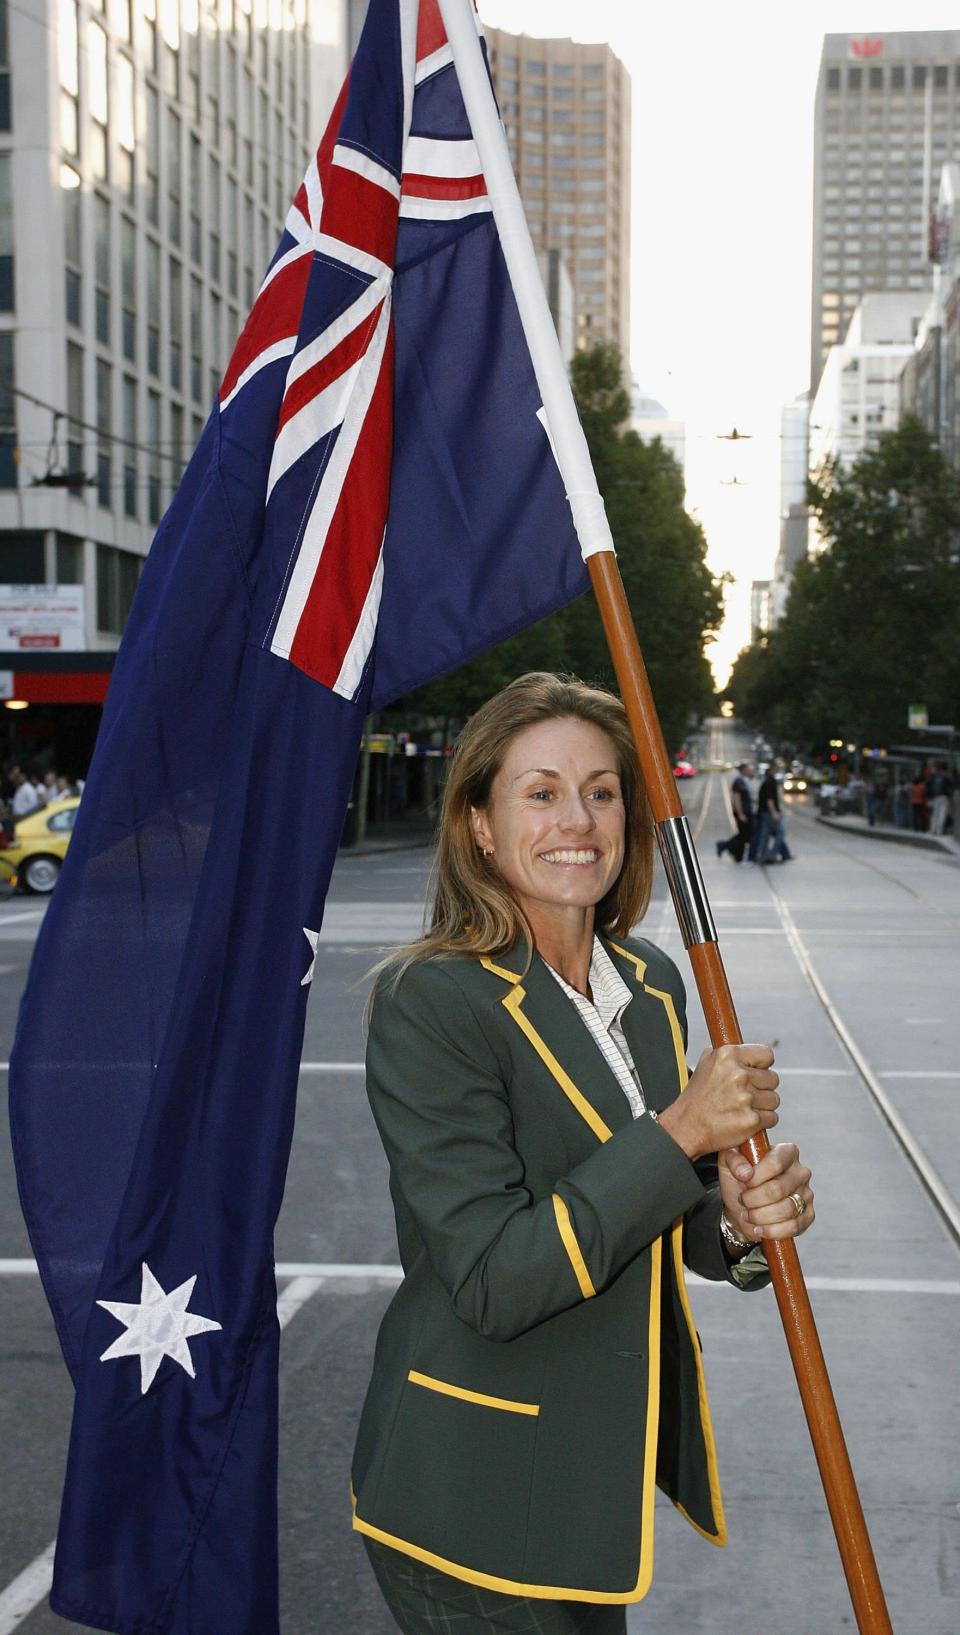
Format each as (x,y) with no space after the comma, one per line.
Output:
(817,1072)
(32,914)
(932,1181)
(32,1586)
(18,1600)
(949,1073)
(332,1067)
(308,1276)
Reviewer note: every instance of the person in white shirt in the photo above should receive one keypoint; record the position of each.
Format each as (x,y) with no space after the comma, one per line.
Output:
(25,797)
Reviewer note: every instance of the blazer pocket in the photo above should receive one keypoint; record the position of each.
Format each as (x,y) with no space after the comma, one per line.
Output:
(504,1404)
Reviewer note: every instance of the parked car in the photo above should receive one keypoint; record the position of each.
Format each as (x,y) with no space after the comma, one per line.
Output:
(35,853)
(684,769)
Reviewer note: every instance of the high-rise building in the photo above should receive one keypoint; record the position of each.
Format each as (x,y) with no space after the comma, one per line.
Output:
(652,423)
(149,150)
(887,119)
(566,109)
(794,419)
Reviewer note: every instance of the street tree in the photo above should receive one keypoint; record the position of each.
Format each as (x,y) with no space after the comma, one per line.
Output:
(870,623)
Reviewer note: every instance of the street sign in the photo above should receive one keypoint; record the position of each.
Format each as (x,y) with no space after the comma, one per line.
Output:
(916,717)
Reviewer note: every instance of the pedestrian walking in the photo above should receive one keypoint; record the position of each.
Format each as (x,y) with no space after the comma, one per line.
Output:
(772,841)
(939,790)
(524,1066)
(26,796)
(742,801)
(918,801)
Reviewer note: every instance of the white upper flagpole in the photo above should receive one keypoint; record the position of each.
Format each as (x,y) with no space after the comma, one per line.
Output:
(563,422)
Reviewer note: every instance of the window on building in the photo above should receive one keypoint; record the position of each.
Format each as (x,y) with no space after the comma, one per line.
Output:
(919,76)
(196,340)
(562,92)
(533,66)
(125,122)
(833,79)
(75,415)
(22,557)
(4,70)
(6,236)
(196,194)
(128,289)
(117,575)
(152,155)
(941,76)
(104,428)
(97,97)
(153,457)
(130,451)
(174,189)
(854,79)
(876,79)
(176,324)
(562,116)
(536,115)
(69,560)
(153,306)
(68,42)
(535,91)
(101,267)
(178,458)
(8,414)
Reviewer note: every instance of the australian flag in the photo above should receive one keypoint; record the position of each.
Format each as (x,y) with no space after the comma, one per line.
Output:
(373,502)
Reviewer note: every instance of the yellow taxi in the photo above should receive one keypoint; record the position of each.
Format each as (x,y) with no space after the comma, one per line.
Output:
(40,840)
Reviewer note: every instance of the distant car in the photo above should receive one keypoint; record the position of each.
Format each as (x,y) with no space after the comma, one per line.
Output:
(684,769)
(39,845)
(794,783)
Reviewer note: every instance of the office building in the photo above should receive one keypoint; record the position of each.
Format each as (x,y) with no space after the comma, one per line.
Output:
(930,382)
(794,418)
(887,119)
(566,110)
(149,150)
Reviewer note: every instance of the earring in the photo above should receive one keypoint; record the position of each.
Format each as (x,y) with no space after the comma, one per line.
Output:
(486,853)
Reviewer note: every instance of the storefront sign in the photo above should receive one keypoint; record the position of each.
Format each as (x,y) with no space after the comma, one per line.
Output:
(41,618)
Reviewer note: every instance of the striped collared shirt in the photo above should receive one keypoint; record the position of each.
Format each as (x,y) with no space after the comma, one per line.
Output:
(611,996)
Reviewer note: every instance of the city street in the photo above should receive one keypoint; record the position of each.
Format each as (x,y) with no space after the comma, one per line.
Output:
(854,939)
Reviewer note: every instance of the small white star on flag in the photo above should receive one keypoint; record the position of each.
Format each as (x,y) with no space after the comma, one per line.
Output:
(313,937)
(158,1327)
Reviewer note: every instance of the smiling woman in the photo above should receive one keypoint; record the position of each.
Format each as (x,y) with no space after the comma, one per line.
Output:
(538,1373)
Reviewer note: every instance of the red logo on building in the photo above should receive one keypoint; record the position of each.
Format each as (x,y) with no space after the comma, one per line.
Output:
(866,48)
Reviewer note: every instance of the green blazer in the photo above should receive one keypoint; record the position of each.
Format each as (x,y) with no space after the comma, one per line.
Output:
(538,1373)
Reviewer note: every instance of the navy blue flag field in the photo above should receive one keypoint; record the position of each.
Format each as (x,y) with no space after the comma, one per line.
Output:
(373,502)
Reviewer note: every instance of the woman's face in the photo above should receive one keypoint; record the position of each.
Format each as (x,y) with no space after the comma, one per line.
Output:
(555,818)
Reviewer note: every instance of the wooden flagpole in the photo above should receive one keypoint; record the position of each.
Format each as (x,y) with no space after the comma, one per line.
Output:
(673,834)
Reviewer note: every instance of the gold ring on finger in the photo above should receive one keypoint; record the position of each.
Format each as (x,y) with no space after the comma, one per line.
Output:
(798,1202)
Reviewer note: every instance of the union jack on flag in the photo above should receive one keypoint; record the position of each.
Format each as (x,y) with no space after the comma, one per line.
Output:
(372,503)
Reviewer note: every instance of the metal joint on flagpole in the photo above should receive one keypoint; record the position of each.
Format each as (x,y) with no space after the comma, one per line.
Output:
(682,869)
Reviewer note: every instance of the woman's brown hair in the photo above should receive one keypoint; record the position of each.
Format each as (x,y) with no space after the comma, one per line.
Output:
(474,911)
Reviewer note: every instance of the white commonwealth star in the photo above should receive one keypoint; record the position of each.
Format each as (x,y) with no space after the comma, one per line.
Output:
(158,1327)
(313,937)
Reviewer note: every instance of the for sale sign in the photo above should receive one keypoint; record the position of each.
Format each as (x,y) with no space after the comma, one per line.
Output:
(41,618)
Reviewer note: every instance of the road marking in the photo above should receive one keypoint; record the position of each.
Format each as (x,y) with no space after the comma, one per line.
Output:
(308,1276)
(931,1180)
(32,1586)
(816,1072)
(332,1067)
(923,1021)
(947,1073)
(32,914)
(18,1600)
(305,1067)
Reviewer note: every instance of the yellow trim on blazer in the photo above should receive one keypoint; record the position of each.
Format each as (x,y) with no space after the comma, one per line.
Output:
(513,1004)
(552,1592)
(572,1247)
(720,1537)
(448,1390)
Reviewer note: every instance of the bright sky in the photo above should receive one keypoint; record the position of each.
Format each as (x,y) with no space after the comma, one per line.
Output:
(722,218)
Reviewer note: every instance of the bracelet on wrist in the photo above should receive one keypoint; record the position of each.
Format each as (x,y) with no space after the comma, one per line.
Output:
(731,1237)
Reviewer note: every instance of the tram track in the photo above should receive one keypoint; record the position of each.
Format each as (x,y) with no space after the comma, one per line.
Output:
(932,1182)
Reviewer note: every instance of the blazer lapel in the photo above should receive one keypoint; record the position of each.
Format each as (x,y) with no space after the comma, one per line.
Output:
(554,1031)
(652,1029)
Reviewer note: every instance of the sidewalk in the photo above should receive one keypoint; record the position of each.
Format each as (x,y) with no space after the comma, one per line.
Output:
(853,823)
(399,835)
